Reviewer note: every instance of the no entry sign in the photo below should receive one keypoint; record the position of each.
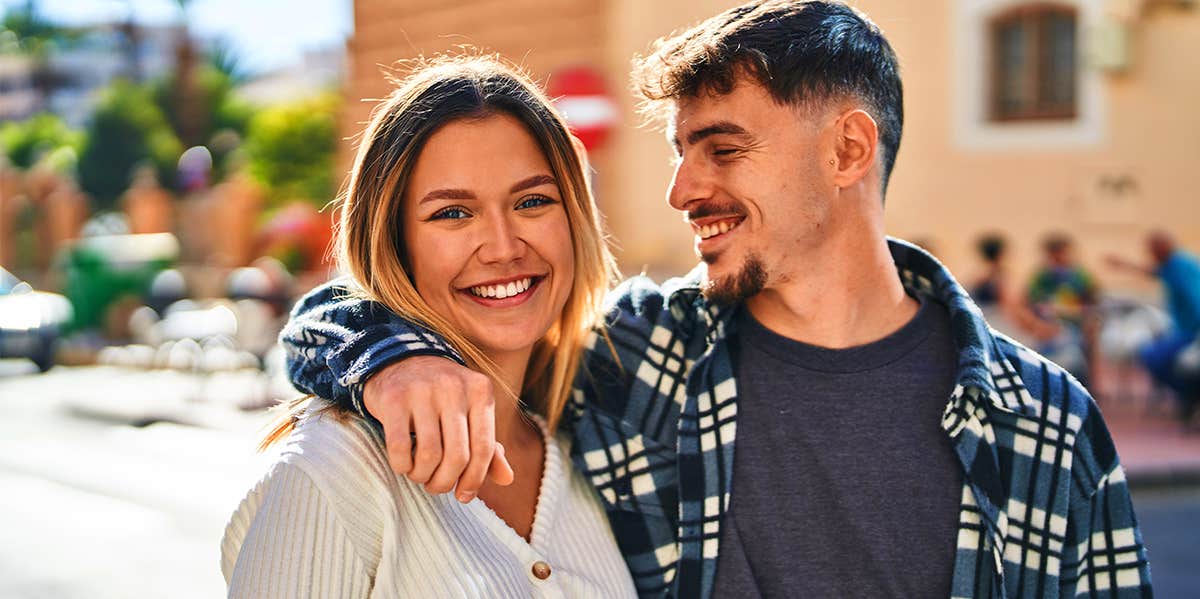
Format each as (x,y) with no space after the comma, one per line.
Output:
(580,95)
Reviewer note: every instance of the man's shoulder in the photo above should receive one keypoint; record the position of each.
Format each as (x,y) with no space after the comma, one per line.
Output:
(1046,383)
(1061,413)
(643,295)
(641,304)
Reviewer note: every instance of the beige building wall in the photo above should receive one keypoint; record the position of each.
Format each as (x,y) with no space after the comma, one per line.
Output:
(540,35)
(953,179)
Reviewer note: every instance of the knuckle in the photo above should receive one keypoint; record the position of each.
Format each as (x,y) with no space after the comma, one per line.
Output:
(482,450)
(457,458)
(481,393)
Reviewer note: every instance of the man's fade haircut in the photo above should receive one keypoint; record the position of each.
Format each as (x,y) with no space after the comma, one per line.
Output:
(802,52)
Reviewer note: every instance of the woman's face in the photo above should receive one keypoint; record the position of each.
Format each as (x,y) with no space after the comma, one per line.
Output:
(486,233)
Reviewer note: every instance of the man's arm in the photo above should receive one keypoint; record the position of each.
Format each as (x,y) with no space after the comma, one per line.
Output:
(335,340)
(361,355)
(346,349)
(1118,263)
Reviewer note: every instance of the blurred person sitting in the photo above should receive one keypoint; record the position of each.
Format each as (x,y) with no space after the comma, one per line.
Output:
(1064,294)
(995,295)
(1179,272)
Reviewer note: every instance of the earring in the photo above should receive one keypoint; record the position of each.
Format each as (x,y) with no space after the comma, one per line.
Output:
(831,162)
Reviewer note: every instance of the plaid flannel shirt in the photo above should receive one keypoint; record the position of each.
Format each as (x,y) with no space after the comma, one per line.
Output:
(1045,507)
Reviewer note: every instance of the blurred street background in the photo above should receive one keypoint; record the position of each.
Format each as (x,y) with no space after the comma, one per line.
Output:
(166,167)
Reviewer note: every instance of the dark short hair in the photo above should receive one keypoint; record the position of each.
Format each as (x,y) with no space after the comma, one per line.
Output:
(1056,242)
(801,51)
(991,246)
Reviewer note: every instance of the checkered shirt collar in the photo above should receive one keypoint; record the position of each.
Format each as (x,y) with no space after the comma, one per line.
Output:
(982,370)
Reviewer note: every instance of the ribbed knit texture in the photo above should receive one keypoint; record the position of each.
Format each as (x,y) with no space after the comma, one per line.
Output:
(330,519)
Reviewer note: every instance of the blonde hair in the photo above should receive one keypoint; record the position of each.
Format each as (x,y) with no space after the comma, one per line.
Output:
(371,234)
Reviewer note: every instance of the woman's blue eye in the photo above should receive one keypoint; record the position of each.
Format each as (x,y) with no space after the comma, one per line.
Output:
(534,202)
(452,212)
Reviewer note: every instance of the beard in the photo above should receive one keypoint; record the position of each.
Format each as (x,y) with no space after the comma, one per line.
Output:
(738,287)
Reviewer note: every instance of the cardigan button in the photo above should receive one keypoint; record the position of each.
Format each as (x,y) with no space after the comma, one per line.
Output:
(541,570)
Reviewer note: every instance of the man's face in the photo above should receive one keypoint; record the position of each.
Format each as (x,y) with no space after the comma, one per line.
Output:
(1160,247)
(752,181)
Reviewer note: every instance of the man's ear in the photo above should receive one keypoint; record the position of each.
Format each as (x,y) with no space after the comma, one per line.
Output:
(855,149)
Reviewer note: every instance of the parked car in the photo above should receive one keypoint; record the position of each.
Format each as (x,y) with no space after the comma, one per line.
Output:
(31,322)
(8,281)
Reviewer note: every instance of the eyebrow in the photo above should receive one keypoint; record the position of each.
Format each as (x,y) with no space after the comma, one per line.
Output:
(464,194)
(447,194)
(531,182)
(717,128)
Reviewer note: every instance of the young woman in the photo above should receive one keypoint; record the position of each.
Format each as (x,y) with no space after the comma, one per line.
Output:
(467,211)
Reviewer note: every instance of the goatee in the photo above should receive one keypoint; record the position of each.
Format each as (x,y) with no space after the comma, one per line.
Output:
(738,287)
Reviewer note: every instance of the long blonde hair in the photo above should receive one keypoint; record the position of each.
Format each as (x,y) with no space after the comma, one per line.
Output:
(371,234)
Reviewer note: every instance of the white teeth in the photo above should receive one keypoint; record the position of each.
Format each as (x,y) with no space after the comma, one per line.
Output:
(715,229)
(503,291)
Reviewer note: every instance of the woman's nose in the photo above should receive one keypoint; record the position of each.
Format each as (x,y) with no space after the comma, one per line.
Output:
(501,242)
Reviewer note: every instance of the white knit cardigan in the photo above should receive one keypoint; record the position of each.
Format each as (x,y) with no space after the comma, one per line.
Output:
(331,519)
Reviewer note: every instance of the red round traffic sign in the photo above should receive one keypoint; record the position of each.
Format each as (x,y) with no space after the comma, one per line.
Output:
(580,95)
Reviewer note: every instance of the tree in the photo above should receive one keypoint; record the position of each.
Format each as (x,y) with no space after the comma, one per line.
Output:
(290,149)
(127,129)
(216,105)
(24,31)
(25,142)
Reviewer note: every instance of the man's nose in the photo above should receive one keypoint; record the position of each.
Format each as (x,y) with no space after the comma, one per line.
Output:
(688,184)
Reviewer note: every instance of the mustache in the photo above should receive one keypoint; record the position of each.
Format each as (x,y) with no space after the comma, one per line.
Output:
(714,209)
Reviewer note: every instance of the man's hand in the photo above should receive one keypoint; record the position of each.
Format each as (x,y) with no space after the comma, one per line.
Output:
(448,410)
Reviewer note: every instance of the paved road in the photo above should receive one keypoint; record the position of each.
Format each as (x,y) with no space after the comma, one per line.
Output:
(94,507)
(100,509)
(1170,521)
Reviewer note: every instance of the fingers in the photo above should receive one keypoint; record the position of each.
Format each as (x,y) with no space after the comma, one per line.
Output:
(481,420)
(450,410)
(455,453)
(499,470)
(427,426)
(397,434)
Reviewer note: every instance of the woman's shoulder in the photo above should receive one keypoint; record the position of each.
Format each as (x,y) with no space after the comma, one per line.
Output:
(326,440)
(323,478)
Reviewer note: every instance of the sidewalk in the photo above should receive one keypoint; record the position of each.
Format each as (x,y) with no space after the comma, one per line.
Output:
(1154,447)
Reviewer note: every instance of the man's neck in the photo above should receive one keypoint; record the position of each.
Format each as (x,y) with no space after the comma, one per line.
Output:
(843,294)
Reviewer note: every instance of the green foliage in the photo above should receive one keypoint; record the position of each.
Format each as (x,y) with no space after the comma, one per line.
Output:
(217,107)
(219,116)
(25,142)
(127,129)
(291,147)
(24,30)
(222,57)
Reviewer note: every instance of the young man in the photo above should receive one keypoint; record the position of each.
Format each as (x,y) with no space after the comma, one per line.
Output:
(888,443)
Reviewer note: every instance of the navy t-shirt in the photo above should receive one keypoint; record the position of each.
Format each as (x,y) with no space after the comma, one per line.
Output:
(844,482)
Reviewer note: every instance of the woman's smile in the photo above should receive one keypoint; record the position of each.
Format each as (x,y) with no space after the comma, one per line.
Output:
(504,293)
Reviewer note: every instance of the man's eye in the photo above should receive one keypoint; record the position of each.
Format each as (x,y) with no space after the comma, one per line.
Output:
(534,202)
(453,212)
(724,151)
